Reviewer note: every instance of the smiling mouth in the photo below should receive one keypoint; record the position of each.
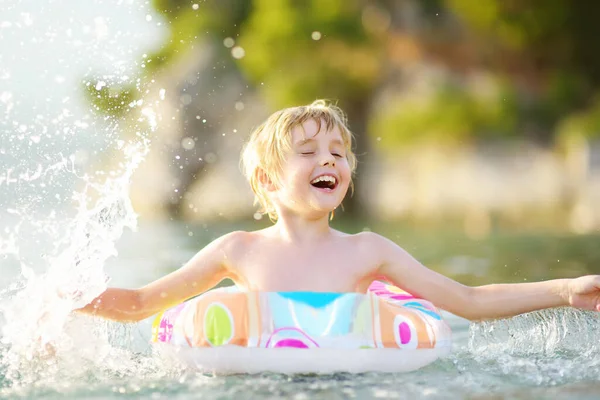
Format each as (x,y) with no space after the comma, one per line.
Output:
(325,182)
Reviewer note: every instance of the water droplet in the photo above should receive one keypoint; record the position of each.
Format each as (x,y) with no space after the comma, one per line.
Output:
(188,143)
(238,52)
(228,42)
(27,20)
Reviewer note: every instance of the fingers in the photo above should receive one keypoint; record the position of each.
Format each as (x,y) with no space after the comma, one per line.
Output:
(69,295)
(50,351)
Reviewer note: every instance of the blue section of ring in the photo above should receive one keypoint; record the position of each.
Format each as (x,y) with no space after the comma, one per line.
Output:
(422,308)
(313,299)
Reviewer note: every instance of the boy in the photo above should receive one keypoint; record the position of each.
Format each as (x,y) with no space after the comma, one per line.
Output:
(299,163)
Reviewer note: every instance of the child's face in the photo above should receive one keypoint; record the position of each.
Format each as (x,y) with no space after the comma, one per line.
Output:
(316,174)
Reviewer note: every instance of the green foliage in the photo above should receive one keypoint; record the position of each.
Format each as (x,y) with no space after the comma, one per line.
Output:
(562,94)
(521,25)
(551,43)
(585,123)
(188,21)
(192,20)
(298,51)
(111,100)
(451,115)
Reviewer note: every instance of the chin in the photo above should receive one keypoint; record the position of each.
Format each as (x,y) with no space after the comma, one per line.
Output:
(325,205)
(327,208)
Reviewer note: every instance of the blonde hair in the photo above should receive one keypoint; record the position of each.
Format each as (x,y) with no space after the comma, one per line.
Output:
(269,143)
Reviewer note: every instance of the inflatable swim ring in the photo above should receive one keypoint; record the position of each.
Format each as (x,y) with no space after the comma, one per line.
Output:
(228,331)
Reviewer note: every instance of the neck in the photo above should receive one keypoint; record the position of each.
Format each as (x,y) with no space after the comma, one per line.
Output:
(295,228)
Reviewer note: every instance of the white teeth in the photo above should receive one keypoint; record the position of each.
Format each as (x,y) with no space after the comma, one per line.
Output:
(324,178)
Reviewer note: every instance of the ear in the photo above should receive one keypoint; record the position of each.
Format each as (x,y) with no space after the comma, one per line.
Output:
(265,180)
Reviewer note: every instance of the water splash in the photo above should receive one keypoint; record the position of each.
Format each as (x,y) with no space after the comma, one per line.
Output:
(547,347)
(65,171)
(37,307)
(547,332)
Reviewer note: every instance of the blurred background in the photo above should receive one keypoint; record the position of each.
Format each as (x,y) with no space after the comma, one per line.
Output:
(486,113)
(477,124)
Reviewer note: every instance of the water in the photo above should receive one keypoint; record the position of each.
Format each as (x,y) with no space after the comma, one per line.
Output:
(67,230)
(549,354)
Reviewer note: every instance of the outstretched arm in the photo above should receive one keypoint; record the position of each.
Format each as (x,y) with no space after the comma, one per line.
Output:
(206,269)
(483,302)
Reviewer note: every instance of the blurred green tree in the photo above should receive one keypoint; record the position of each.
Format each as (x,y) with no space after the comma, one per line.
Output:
(188,22)
(549,49)
(540,54)
(191,20)
(452,116)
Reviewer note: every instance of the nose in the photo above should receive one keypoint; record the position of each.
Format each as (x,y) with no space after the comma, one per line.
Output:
(328,159)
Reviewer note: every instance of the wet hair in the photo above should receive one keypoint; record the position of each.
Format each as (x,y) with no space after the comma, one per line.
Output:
(266,149)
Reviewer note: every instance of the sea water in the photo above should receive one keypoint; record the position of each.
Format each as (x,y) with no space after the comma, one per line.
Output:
(548,354)
(68,230)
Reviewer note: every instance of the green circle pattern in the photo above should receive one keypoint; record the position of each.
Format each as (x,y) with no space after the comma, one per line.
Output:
(218,325)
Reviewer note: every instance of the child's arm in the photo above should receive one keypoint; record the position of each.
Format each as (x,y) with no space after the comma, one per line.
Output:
(483,302)
(206,269)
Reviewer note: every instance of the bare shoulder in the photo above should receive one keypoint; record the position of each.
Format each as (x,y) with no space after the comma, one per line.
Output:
(235,240)
(238,243)
(367,239)
(384,248)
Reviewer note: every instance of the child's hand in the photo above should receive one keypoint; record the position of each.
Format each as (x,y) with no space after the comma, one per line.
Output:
(584,292)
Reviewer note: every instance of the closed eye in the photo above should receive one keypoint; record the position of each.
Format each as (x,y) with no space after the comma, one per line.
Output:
(337,155)
(306,153)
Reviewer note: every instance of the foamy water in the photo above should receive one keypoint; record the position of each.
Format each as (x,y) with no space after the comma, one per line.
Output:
(62,207)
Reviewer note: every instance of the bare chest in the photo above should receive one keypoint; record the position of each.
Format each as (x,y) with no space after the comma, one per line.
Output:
(277,268)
